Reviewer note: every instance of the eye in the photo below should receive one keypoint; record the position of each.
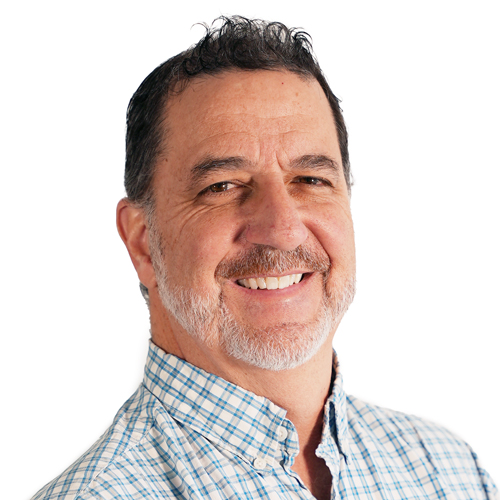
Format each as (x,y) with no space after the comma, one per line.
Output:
(218,187)
(313,181)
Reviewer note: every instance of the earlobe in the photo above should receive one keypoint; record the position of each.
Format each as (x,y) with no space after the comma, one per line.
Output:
(132,227)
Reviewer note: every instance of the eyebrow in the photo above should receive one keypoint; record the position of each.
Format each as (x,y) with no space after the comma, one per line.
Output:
(211,164)
(316,162)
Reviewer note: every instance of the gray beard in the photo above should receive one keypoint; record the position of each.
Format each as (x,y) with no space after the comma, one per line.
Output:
(208,320)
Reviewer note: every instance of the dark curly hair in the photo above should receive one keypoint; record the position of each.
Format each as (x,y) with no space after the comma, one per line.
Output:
(238,43)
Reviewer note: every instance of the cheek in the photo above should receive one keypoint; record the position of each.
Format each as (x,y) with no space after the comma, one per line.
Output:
(334,231)
(200,247)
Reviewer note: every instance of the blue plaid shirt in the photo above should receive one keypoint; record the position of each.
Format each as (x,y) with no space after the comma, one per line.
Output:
(186,433)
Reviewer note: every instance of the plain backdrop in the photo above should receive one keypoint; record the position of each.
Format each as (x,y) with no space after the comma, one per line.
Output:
(419,83)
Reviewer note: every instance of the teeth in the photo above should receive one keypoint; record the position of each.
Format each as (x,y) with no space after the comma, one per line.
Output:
(271,283)
(253,283)
(261,283)
(284,281)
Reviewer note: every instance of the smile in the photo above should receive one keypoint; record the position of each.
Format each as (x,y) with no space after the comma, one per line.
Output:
(270,283)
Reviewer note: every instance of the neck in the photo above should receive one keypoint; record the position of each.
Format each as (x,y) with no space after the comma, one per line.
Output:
(301,391)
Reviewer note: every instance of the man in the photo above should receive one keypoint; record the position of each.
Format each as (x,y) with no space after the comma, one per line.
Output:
(238,223)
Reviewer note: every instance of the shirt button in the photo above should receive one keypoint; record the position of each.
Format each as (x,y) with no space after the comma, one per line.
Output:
(260,463)
(282,434)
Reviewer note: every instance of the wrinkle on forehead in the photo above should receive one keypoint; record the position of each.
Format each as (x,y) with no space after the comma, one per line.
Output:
(237,92)
(264,116)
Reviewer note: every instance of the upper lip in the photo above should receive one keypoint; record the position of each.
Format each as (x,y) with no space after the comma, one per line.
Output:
(272,275)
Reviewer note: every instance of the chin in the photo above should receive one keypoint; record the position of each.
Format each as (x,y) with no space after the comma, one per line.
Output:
(276,348)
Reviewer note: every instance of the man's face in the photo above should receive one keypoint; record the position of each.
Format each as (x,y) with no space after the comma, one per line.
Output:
(250,196)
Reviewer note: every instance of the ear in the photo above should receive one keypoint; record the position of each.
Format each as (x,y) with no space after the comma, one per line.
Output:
(131,224)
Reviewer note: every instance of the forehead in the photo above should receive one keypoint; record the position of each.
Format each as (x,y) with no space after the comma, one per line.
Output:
(254,114)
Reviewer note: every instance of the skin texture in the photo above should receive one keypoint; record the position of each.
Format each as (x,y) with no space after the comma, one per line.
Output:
(268,120)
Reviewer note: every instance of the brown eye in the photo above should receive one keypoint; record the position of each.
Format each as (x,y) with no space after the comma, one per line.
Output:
(314,181)
(220,187)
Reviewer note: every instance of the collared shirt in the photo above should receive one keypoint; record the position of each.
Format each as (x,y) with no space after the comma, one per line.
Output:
(186,433)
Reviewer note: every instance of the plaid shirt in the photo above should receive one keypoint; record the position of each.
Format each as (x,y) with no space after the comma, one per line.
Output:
(186,433)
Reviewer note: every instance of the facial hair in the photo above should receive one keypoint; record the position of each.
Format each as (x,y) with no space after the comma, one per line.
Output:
(207,318)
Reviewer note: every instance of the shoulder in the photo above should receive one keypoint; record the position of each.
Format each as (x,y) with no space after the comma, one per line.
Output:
(416,445)
(384,423)
(104,471)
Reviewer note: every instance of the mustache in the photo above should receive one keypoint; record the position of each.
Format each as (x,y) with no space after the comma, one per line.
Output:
(263,259)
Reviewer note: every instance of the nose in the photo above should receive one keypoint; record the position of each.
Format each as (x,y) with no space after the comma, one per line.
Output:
(274,219)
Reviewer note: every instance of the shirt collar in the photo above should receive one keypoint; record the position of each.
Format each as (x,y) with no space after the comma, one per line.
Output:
(231,417)
(335,420)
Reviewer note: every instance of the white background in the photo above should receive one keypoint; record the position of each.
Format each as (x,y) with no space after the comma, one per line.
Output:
(420,86)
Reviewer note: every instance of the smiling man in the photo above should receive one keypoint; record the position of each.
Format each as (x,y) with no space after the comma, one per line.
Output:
(238,223)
